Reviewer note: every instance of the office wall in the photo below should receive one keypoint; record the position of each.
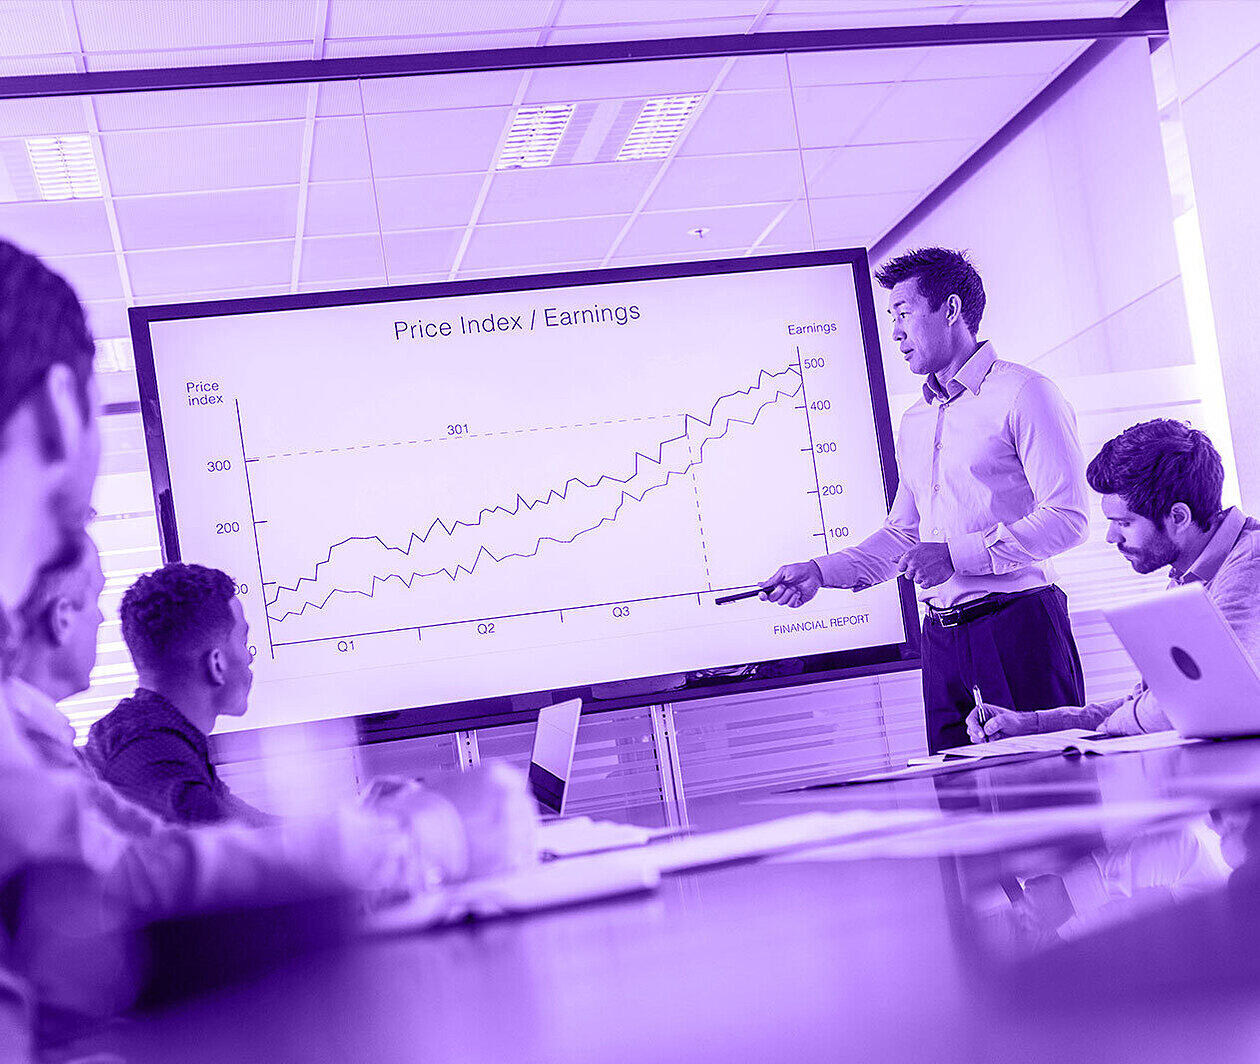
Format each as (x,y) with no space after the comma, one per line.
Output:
(1216,54)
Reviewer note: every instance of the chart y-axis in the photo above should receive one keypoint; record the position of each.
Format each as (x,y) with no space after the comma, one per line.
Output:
(813,455)
(253,524)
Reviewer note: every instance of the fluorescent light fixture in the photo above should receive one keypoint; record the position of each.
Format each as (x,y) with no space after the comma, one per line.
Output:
(535,135)
(658,127)
(65,166)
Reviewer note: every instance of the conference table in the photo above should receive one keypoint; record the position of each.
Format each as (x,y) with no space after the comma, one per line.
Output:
(1065,908)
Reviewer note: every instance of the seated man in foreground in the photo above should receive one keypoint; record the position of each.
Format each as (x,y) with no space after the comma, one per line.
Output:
(1161,484)
(188,637)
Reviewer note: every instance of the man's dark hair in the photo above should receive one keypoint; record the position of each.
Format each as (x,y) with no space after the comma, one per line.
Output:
(64,578)
(174,610)
(941,273)
(1158,463)
(41,324)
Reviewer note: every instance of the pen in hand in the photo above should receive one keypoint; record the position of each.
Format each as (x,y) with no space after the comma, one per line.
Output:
(984,713)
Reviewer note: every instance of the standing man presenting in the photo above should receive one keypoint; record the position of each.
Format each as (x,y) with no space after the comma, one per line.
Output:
(991,486)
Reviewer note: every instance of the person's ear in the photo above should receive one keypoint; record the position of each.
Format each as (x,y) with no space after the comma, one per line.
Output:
(953,309)
(1180,517)
(216,667)
(59,414)
(59,619)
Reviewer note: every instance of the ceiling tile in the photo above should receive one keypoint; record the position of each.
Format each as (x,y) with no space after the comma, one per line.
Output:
(20,66)
(1027,10)
(222,292)
(36,117)
(209,268)
(846,221)
(435,142)
(832,114)
(414,45)
(211,157)
(742,122)
(186,57)
(339,98)
(32,27)
(342,284)
(729,228)
(871,168)
(113,25)
(370,18)
(69,227)
(622,80)
(436,92)
(223,217)
(650,31)
(996,60)
(421,252)
(340,257)
(431,202)
(340,150)
(567,191)
(628,14)
(540,243)
(340,207)
(716,180)
(93,277)
(758,72)
(959,107)
(804,15)
(198,107)
(854,67)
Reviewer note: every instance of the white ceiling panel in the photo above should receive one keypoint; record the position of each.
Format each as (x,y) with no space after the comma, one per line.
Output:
(435,142)
(850,221)
(742,122)
(649,31)
(542,269)
(223,217)
(870,168)
(342,284)
(338,98)
(440,92)
(20,65)
(413,45)
(841,17)
(340,207)
(33,27)
(342,257)
(959,107)
(662,233)
(116,25)
(540,243)
(629,13)
(95,277)
(622,80)
(209,268)
(1027,10)
(716,180)
(224,292)
(39,117)
(854,68)
(107,319)
(371,18)
(340,151)
(996,60)
(764,72)
(421,252)
(68,227)
(432,202)
(200,107)
(832,115)
(567,191)
(211,157)
(184,57)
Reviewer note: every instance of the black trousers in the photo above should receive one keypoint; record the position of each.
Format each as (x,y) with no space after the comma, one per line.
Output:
(1022,657)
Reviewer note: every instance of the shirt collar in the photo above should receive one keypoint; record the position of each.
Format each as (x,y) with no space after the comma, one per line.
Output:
(1205,567)
(969,376)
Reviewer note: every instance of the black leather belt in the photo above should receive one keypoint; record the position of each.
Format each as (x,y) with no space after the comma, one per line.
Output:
(977,608)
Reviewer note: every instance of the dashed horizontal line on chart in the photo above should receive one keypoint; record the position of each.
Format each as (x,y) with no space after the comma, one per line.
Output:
(464,436)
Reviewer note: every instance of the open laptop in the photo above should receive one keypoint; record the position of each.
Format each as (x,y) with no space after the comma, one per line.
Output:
(551,762)
(1192,661)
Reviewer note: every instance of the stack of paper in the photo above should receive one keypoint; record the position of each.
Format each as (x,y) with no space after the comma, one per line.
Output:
(1070,740)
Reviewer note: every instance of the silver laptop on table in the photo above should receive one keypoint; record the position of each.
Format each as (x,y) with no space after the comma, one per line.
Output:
(551,762)
(1192,661)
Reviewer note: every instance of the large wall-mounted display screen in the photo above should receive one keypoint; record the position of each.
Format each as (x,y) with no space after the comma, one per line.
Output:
(435,494)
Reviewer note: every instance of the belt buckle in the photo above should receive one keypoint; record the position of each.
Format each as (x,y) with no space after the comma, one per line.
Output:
(950,618)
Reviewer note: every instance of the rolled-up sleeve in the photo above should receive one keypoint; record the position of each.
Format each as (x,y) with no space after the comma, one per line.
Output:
(1043,426)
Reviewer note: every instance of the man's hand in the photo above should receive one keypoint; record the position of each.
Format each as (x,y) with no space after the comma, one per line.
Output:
(793,585)
(1001,723)
(500,817)
(927,564)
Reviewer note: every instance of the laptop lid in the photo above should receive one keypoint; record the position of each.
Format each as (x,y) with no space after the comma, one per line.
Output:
(551,763)
(1192,661)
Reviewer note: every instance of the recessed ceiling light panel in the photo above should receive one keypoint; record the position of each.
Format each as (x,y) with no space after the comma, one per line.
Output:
(658,127)
(535,135)
(64,166)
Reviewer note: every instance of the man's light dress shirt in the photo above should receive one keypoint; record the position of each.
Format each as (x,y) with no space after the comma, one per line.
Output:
(991,466)
(1228,567)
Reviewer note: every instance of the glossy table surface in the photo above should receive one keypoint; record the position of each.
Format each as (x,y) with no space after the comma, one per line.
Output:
(1131,932)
